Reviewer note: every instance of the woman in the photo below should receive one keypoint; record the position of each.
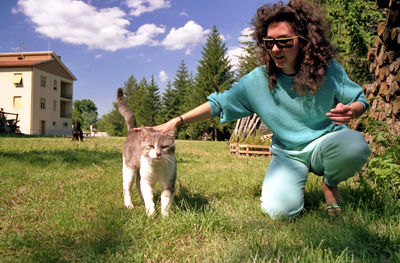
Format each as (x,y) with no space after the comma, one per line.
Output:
(305,98)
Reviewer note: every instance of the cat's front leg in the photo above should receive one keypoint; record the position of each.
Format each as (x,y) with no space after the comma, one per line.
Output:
(127,178)
(147,190)
(167,197)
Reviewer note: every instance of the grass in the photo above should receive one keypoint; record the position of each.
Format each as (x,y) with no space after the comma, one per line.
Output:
(61,201)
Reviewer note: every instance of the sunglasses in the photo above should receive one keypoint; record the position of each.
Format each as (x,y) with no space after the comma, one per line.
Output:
(281,43)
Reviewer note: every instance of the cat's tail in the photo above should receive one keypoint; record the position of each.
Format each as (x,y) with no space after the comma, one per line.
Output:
(125,111)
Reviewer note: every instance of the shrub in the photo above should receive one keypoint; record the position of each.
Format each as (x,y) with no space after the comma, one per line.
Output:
(383,169)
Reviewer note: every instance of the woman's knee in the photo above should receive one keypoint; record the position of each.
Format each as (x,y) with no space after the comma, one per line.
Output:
(348,145)
(282,204)
(357,145)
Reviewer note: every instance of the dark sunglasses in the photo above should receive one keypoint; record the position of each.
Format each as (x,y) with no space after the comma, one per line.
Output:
(281,43)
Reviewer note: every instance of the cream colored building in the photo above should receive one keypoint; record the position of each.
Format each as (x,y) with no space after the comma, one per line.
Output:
(39,87)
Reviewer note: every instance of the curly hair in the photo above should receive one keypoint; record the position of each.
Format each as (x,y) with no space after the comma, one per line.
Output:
(307,21)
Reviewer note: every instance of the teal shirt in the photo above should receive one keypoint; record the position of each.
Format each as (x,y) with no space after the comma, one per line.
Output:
(295,120)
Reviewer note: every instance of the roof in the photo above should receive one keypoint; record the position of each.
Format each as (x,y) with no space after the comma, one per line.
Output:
(32,59)
(22,63)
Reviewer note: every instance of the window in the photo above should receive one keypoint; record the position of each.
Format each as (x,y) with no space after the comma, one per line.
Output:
(17,80)
(55,85)
(54,124)
(65,124)
(43,81)
(42,103)
(17,102)
(54,105)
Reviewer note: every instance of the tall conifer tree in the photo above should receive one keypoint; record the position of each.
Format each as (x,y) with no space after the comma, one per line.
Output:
(154,100)
(181,85)
(169,106)
(213,75)
(248,60)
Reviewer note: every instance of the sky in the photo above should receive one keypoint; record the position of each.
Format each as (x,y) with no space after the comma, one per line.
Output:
(103,42)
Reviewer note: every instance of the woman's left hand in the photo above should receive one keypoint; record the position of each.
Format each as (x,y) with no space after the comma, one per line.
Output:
(341,114)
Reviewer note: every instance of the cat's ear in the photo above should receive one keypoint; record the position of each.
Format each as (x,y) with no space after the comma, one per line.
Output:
(171,133)
(145,132)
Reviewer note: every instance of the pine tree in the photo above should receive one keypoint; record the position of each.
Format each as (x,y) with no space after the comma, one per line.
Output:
(113,123)
(191,131)
(248,60)
(154,100)
(142,104)
(213,75)
(169,107)
(129,87)
(181,85)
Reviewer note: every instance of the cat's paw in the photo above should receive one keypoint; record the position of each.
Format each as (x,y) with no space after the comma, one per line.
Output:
(165,213)
(129,205)
(150,211)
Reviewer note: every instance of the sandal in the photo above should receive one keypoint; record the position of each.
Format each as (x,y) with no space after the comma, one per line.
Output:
(334,208)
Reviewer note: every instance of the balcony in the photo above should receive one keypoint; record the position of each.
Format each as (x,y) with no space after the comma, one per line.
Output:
(66,90)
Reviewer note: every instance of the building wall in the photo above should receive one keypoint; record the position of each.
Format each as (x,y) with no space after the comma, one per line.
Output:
(8,91)
(33,119)
(50,117)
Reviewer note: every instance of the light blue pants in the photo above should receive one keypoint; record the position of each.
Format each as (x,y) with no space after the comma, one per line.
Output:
(336,156)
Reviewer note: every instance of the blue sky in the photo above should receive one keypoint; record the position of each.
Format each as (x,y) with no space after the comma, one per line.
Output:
(103,42)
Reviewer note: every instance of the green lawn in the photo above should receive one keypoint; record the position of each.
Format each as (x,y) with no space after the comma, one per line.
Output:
(61,201)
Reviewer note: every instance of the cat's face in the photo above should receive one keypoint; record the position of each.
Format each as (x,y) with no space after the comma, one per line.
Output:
(157,146)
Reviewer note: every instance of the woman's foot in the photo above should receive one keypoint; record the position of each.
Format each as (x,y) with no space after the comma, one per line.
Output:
(333,198)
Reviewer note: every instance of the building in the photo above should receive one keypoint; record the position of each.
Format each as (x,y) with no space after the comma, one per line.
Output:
(39,87)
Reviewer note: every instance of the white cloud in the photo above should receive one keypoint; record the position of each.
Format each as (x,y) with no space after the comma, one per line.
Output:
(163,76)
(235,52)
(183,13)
(245,35)
(233,55)
(185,37)
(79,23)
(99,56)
(139,7)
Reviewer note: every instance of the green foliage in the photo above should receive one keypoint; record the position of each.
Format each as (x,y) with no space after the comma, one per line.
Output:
(182,83)
(383,170)
(84,111)
(142,98)
(153,102)
(213,75)
(169,106)
(353,32)
(248,60)
(112,123)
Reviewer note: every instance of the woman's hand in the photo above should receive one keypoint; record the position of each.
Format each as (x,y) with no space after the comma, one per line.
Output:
(340,115)
(168,126)
(165,127)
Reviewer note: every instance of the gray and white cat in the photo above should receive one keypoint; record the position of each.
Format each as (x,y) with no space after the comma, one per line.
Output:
(150,157)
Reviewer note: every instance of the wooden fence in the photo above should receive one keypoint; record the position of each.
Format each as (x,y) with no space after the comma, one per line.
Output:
(249,150)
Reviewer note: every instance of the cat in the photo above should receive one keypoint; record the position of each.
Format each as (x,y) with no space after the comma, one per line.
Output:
(150,157)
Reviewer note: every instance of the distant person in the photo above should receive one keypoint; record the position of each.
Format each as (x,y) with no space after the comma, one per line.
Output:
(306,99)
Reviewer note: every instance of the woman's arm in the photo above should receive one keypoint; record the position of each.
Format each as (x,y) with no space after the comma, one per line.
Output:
(200,113)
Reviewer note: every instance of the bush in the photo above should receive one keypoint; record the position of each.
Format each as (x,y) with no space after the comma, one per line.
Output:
(383,169)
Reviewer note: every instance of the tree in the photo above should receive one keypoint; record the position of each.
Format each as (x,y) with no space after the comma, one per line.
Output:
(169,106)
(248,60)
(213,75)
(353,31)
(113,123)
(153,102)
(181,85)
(138,100)
(84,111)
